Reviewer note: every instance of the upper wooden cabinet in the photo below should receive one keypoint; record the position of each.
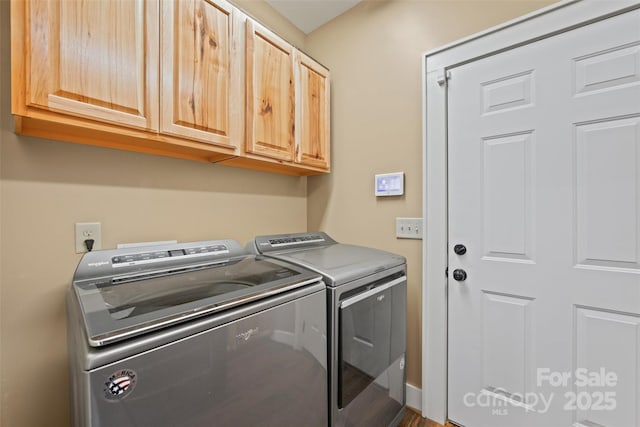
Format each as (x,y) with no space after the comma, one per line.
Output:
(287,112)
(201,91)
(96,59)
(195,79)
(312,113)
(270,120)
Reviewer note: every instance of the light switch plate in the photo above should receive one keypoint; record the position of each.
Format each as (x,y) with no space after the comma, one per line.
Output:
(409,228)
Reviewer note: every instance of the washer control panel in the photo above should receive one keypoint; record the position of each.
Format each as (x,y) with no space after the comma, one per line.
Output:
(172,253)
(116,262)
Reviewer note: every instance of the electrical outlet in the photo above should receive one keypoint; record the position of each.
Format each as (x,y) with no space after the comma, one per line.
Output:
(88,230)
(409,228)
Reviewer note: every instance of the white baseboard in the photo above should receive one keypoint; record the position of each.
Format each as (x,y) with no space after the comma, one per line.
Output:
(414,397)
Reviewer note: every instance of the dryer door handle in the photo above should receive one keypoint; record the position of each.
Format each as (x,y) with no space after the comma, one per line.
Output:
(359,297)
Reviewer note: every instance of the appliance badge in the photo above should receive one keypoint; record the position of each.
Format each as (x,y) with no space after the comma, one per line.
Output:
(98,264)
(247,334)
(120,384)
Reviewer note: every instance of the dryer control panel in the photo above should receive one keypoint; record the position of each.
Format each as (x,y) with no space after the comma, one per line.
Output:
(281,242)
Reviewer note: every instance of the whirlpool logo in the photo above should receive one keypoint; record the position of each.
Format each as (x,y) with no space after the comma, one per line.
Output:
(98,263)
(120,384)
(247,334)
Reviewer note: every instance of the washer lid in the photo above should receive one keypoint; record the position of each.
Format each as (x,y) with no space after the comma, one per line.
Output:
(119,307)
(341,263)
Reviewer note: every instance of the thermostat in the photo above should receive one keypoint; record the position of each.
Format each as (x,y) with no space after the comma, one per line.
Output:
(389,184)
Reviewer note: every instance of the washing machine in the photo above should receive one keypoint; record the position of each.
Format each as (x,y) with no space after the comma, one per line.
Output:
(196,334)
(366,323)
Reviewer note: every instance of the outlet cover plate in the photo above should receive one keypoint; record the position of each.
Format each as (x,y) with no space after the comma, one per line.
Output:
(88,230)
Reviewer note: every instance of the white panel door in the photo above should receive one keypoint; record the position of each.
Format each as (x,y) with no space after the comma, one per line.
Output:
(544,193)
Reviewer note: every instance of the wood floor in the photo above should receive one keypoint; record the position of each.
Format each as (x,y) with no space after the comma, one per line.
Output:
(413,419)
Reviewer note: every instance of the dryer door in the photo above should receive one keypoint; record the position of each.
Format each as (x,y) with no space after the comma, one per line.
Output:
(372,332)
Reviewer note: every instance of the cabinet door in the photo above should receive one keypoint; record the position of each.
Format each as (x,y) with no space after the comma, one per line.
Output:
(270,94)
(96,59)
(312,113)
(201,88)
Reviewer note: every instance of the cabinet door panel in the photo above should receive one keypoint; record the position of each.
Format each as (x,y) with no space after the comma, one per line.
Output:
(270,94)
(201,77)
(312,116)
(95,59)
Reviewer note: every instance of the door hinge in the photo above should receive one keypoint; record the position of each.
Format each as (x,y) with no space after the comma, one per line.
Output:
(443,77)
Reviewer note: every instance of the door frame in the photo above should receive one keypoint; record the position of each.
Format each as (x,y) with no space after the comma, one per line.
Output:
(554,19)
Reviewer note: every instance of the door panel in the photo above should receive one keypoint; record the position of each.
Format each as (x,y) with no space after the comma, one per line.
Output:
(312,114)
(606,153)
(508,196)
(507,93)
(596,332)
(270,94)
(201,90)
(611,69)
(544,182)
(96,59)
(506,321)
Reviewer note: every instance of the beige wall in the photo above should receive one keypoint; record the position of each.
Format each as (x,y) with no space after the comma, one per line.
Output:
(47,186)
(374,54)
(264,13)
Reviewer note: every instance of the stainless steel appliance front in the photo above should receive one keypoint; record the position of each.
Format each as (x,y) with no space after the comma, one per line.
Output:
(366,304)
(259,361)
(367,350)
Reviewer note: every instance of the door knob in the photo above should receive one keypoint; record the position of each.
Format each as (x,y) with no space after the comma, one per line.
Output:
(460,249)
(459,275)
